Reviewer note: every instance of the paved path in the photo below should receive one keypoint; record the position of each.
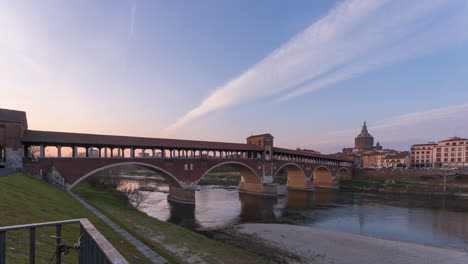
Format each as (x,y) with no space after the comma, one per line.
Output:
(145,250)
(6,172)
(324,246)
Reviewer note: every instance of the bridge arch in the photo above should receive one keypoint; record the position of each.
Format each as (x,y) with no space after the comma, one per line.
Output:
(171,179)
(343,174)
(246,172)
(322,176)
(295,175)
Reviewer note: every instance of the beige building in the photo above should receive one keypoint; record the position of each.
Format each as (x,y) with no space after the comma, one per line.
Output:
(373,159)
(385,159)
(421,155)
(451,153)
(401,159)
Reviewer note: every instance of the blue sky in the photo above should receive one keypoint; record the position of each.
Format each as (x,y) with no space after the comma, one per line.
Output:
(308,72)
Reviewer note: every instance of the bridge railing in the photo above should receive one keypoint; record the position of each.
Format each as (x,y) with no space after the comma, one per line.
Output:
(92,246)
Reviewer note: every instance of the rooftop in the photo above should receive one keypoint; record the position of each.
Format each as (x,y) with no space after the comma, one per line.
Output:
(425,144)
(400,155)
(261,135)
(13,116)
(308,154)
(64,138)
(454,139)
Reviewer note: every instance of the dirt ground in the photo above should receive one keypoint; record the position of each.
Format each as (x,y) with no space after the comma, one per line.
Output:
(280,243)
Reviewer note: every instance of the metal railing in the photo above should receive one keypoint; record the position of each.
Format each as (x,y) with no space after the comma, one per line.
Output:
(92,246)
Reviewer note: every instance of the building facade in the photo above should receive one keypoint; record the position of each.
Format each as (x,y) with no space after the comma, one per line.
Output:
(421,155)
(373,159)
(449,153)
(401,159)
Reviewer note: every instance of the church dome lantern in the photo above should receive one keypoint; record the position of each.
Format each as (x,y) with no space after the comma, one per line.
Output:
(364,140)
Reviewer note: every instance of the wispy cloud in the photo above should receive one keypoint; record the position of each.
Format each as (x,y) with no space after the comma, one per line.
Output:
(412,126)
(353,38)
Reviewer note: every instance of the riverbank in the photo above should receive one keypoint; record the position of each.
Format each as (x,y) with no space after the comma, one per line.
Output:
(183,245)
(27,200)
(297,244)
(420,186)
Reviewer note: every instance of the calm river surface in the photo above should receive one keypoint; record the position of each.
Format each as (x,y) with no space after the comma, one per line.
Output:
(423,219)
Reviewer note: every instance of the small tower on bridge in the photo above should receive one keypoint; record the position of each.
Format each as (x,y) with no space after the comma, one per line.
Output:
(12,125)
(265,141)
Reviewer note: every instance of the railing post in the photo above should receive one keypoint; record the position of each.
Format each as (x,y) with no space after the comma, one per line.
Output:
(58,237)
(2,247)
(32,245)
(81,255)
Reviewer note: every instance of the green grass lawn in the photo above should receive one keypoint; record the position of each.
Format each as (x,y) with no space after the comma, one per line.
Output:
(184,246)
(26,200)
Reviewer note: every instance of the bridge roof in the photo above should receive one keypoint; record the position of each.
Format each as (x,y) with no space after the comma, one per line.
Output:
(64,138)
(308,154)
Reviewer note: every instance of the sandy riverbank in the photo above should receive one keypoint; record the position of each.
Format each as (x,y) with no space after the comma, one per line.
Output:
(296,244)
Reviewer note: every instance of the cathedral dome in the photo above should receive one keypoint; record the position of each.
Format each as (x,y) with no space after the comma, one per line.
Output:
(364,132)
(364,140)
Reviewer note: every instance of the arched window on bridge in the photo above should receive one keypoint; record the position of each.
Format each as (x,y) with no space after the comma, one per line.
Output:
(50,151)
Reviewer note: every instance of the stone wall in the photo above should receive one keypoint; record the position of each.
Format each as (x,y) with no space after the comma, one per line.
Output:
(385,174)
(14,158)
(54,177)
(10,141)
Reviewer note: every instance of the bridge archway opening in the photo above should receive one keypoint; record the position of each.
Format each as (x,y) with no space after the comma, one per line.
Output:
(66,152)
(113,174)
(230,172)
(343,174)
(322,176)
(291,175)
(50,151)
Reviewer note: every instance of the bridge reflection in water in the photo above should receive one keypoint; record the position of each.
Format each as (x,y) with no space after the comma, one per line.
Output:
(432,220)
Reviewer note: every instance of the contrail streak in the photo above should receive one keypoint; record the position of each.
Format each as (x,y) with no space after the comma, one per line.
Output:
(355,37)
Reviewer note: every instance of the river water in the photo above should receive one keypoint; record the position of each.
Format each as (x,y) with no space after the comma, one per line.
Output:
(422,219)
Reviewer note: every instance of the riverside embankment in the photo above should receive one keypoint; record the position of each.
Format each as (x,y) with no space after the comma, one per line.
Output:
(26,200)
(277,243)
(181,244)
(425,182)
(313,245)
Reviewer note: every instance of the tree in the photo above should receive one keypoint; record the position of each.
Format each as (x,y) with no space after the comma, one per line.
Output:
(445,178)
(34,152)
(135,196)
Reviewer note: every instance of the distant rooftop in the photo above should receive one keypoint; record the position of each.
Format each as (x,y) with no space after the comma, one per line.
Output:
(262,135)
(400,155)
(454,139)
(13,116)
(425,144)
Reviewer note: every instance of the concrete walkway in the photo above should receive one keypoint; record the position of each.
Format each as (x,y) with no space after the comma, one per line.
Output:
(320,246)
(145,250)
(6,172)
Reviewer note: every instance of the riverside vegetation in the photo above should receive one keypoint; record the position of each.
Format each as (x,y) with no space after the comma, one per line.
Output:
(456,184)
(183,245)
(28,200)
